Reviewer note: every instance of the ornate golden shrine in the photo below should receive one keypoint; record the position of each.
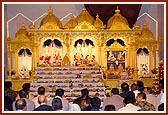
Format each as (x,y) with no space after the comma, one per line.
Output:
(84,26)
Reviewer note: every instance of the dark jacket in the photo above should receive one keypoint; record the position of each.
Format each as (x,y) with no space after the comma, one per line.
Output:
(43,108)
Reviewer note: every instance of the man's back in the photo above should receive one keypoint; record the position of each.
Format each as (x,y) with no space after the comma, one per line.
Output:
(29,105)
(116,100)
(65,103)
(146,106)
(43,108)
(153,100)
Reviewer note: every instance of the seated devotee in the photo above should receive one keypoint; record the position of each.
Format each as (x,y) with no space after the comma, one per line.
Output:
(26,87)
(129,105)
(20,105)
(140,85)
(59,94)
(161,95)
(161,107)
(85,105)
(41,91)
(85,95)
(74,107)
(109,108)
(7,103)
(150,97)
(43,104)
(95,103)
(134,88)
(8,90)
(114,99)
(143,104)
(125,91)
(29,104)
(57,104)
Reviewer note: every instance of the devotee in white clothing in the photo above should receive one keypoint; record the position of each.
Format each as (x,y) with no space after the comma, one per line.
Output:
(129,105)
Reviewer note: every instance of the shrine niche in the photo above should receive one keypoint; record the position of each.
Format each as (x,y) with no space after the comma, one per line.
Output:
(115,57)
(143,61)
(85,41)
(84,52)
(51,52)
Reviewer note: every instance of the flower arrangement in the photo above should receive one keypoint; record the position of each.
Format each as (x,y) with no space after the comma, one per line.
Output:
(13,72)
(30,72)
(129,69)
(154,71)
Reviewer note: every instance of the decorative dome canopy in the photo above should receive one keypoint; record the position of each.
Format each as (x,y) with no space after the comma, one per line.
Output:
(51,18)
(84,16)
(117,22)
(71,23)
(98,23)
(21,31)
(146,33)
(136,26)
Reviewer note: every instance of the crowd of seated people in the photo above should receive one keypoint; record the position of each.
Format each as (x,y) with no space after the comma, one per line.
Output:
(136,97)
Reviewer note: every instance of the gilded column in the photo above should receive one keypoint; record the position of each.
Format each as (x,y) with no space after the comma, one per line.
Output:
(134,57)
(35,59)
(151,60)
(104,57)
(68,50)
(67,42)
(128,57)
(13,61)
(99,55)
(157,55)
(9,63)
(16,63)
(157,58)
(131,57)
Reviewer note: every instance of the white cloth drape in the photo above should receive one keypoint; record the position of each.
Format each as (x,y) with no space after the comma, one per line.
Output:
(25,61)
(142,58)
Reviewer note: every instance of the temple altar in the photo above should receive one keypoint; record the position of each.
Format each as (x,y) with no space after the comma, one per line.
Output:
(85,41)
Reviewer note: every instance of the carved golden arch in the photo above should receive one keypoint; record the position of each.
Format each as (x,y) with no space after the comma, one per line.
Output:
(15,48)
(84,26)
